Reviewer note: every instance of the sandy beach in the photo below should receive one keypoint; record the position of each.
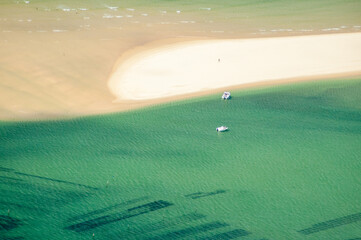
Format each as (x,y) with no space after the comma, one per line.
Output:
(203,66)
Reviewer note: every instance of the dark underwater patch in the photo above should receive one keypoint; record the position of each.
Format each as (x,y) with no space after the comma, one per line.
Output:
(132,212)
(331,224)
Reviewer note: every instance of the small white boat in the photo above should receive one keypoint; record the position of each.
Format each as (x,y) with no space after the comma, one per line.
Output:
(226,95)
(222,129)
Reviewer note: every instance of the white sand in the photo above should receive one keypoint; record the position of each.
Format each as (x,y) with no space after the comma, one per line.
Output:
(193,67)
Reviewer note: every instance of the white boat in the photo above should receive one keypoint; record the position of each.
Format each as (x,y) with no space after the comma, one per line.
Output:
(222,129)
(226,95)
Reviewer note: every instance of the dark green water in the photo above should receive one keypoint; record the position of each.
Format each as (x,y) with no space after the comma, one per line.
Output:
(289,168)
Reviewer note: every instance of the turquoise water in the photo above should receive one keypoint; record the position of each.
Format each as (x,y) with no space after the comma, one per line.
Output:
(288,168)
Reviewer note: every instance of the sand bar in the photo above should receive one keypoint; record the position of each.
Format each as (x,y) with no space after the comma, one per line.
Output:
(198,66)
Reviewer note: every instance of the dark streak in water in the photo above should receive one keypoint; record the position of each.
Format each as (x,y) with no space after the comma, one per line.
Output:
(146,229)
(132,212)
(204,194)
(228,235)
(3,169)
(191,231)
(331,224)
(11,178)
(103,210)
(7,223)
(40,190)
(193,194)
(13,238)
(55,180)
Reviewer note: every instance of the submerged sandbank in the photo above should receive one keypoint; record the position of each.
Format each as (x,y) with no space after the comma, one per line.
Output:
(198,66)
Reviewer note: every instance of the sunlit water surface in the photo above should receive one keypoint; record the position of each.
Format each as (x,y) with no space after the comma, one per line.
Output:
(288,168)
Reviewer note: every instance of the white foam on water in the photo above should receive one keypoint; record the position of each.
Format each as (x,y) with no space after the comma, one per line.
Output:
(330,29)
(112,8)
(119,16)
(59,30)
(65,9)
(130,9)
(129,16)
(185,21)
(108,16)
(83,9)
(163,12)
(178,11)
(208,9)
(282,30)
(144,14)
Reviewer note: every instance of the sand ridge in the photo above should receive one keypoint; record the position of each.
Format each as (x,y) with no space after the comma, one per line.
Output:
(205,65)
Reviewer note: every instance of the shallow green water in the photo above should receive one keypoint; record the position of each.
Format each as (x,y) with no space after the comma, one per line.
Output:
(222,19)
(290,160)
